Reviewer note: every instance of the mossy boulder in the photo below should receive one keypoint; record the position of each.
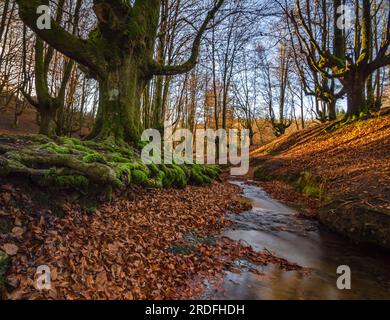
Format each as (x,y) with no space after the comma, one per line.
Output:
(199,175)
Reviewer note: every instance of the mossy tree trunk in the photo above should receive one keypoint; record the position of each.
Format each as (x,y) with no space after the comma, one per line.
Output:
(355,78)
(354,86)
(120,93)
(46,104)
(46,121)
(352,72)
(119,54)
(332,110)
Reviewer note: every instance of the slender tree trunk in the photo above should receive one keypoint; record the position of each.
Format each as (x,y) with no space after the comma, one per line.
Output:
(302,108)
(332,110)
(158,119)
(82,106)
(146,107)
(251,136)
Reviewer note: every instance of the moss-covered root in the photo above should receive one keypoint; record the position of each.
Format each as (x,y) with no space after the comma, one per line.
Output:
(59,169)
(72,163)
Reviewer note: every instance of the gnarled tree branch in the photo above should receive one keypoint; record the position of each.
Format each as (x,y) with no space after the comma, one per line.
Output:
(63,41)
(158,69)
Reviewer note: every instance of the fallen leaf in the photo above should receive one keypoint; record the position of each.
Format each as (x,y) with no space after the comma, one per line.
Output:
(18,222)
(17,231)
(10,249)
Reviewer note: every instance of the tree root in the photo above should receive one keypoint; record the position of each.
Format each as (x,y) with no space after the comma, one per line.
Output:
(27,162)
(71,163)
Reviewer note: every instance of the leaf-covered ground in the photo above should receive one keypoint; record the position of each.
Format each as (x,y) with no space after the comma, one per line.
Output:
(145,244)
(338,173)
(349,162)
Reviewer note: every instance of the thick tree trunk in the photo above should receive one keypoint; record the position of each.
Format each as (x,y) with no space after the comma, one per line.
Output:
(46,123)
(120,93)
(119,53)
(354,87)
(332,110)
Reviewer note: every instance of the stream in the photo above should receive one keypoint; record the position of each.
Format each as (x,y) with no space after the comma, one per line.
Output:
(276,227)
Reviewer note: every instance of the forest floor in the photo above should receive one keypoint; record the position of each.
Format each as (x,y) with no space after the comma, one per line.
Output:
(145,244)
(27,122)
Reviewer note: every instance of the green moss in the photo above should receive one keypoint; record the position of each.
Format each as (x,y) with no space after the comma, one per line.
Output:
(117,157)
(169,176)
(83,149)
(157,176)
(54,148)
(187,171)
(72,156)
(310,185)
(78,145)
(198,177)
(180,180)
(212,171)
(94,157)
(123,170)
(173,175)
(65,182)
(139,177)
(69,141)
(142,144)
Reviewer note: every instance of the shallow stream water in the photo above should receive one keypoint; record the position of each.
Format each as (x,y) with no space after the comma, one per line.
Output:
(277,228)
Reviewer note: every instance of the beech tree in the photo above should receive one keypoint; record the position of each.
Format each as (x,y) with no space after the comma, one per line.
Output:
(119,53)
(276,78)
(46,104)
(352,69)
(314,83)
